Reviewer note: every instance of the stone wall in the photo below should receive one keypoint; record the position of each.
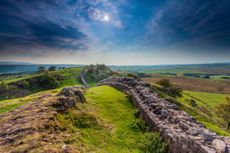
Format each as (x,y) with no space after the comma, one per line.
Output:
(181,131)
(82,79)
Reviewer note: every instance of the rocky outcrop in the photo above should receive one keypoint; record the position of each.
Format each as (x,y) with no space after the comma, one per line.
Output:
(182,132)
(68,97)
(34,127)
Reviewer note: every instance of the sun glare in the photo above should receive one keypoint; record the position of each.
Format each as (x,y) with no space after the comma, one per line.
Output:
(106,17)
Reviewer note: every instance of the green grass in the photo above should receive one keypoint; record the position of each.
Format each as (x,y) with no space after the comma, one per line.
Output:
(171,70)
(220,77)
(71,76)
(11,104)
(107,123)
(15,77)
(210,99)
(204,112)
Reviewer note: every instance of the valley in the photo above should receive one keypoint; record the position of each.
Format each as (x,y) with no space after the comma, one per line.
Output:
(108,117)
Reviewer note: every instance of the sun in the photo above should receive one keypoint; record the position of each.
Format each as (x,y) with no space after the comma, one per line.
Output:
(106,18)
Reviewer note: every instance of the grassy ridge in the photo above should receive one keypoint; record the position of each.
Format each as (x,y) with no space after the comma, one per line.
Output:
(71,76)
(107,123)
(19,87)
(11,104)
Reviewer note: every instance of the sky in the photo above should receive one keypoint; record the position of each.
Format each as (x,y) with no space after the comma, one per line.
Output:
(115,32)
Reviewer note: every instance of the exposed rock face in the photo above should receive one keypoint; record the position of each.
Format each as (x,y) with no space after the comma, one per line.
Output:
(68,98)
(34,127)
(181,131)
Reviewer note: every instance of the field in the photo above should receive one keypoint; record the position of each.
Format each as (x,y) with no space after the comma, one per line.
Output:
(204,88)
(206,94)
(209,99)
(194,84)
(110,117)
(218,69)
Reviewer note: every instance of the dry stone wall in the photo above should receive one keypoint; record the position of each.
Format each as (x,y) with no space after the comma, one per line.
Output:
(181,131)
(82,79)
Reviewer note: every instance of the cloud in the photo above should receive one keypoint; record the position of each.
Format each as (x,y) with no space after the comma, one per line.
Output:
(184,21)
(41,24)
(96,14)
(53,24)
(93,2)
(102,16)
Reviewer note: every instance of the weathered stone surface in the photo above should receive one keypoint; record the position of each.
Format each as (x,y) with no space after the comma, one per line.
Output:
(183,133)
(73,92)
(219,145)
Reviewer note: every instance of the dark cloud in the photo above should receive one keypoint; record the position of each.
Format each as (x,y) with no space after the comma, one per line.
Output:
(203,22)
(27,24)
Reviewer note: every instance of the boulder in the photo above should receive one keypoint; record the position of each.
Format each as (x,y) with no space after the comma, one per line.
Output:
(74,92)
(68,97)
(219,145)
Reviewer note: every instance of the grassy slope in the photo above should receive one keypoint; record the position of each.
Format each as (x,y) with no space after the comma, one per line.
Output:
(204,112)
(15,78)
(71,76)
(11,104)
(106,123)
(211,99)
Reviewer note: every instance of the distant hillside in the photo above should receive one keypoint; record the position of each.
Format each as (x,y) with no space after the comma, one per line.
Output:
(28,68)
(94,73)
(18,87)
(215,68)
(14,63)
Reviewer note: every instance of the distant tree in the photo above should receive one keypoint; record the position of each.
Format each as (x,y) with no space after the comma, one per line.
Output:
(169,88)
(165,83)
(225,77)
(47,81)
(25,84)
(52,68)
(193,103)
(223,111)
(41,69)
(206,76)
(131,75)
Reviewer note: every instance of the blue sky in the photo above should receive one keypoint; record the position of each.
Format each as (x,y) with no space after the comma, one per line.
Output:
(122,32)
